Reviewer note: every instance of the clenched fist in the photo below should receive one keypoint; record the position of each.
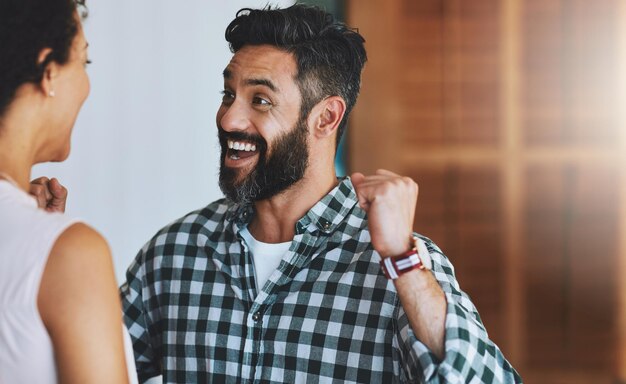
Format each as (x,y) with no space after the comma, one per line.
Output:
(389,200)
(50,194)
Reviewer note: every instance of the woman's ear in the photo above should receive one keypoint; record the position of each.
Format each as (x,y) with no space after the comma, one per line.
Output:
(327,116)
(49,74)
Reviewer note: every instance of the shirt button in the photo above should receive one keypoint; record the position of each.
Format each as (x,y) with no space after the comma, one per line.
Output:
(256,316)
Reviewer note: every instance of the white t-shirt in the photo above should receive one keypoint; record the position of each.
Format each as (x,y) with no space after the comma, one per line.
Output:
(27,235)
(266,257)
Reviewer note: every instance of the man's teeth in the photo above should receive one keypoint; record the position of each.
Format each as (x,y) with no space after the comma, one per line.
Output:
(241,146)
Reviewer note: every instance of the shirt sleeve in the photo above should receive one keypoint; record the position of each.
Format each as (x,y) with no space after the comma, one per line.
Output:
(470,356)
(135,297)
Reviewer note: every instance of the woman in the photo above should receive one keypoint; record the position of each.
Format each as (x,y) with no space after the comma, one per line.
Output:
(60,316)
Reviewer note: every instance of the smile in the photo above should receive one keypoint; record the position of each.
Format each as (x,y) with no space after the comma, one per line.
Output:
(241,146)
(240,149)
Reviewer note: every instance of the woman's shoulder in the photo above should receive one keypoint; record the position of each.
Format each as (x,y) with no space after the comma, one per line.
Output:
(77,276)
(79,258)
(80,241)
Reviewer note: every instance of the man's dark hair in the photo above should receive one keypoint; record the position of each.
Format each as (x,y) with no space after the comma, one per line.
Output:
(27,27)
(329,55)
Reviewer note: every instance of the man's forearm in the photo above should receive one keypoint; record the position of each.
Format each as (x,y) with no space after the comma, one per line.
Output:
(425,305)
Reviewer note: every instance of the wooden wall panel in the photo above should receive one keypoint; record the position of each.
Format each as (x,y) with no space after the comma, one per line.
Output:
(572,237)
(507,113)
(450,61)
(460,212)
(570,68)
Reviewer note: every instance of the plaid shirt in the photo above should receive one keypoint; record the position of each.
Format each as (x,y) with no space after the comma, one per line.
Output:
(327,314)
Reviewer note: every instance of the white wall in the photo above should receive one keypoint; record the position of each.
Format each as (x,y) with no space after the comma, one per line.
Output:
(144,148)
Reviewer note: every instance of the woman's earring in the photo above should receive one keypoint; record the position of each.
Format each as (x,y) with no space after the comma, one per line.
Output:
(52,94)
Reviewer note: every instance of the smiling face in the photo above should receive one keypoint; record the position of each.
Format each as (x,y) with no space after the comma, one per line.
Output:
(263,139)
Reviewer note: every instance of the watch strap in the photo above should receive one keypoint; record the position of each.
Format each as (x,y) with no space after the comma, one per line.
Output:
(394,267)
(415,258)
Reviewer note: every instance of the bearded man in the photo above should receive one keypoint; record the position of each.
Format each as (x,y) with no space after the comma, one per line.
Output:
(297,276)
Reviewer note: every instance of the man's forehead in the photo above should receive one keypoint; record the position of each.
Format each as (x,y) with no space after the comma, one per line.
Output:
(261,61)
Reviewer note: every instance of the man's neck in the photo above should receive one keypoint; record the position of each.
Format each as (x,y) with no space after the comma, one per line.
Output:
(276,217)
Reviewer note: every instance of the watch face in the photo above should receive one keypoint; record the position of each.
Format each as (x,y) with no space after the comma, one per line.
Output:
(424,255)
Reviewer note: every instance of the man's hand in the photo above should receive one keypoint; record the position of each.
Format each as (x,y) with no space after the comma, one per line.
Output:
(50,194)
(389,200)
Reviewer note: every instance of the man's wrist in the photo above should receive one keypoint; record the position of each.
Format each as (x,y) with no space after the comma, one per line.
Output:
(398,248)
(418,257)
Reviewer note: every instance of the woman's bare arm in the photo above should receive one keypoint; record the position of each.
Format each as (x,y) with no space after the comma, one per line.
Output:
(80,307)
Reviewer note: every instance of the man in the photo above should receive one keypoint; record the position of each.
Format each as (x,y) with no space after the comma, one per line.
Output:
(282,280)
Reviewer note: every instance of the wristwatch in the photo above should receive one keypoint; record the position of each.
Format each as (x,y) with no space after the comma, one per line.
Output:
(417,257)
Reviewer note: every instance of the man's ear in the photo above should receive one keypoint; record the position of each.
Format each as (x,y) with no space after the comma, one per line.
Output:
(327,115)
(50,72)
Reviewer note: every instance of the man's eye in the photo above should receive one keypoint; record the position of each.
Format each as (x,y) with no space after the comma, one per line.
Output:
(261,101)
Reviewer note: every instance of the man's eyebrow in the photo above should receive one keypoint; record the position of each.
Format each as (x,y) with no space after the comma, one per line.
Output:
(264,82)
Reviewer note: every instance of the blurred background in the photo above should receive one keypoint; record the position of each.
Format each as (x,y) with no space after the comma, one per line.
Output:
(510,114)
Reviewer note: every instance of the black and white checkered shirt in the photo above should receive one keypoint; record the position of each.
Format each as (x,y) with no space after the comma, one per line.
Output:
(327,314)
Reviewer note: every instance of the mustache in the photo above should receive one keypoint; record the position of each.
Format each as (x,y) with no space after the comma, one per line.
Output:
(224,136)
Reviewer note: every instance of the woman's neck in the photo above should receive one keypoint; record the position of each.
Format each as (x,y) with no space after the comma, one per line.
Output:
(18,141)
(19,179)
(15,162)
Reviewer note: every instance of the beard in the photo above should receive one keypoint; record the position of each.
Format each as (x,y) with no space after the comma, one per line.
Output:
(275,171)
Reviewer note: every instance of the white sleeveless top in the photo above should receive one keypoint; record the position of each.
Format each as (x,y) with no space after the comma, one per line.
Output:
(27,235)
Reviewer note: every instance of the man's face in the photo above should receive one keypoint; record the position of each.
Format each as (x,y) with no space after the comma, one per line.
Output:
(263,140)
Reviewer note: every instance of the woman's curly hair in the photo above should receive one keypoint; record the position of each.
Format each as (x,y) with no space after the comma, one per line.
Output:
(27,27)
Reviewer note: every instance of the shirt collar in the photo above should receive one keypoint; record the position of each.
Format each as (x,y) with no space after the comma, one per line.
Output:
(332,209)
(325,215)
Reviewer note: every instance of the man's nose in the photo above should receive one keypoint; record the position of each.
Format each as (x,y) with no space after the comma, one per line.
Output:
(234,117)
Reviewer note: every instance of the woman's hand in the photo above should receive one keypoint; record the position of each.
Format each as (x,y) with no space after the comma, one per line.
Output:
(50,194)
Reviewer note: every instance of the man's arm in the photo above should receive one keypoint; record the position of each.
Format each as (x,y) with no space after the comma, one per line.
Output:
(390,202)
(136,318)
(441,330)
(425,306)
